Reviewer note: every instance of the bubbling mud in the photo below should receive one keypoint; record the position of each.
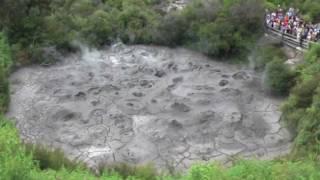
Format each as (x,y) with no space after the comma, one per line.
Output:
(142,104)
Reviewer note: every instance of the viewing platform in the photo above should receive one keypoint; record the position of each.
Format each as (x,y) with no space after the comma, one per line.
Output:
(289,39)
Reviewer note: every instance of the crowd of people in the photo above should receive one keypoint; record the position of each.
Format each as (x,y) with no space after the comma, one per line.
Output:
(289,22)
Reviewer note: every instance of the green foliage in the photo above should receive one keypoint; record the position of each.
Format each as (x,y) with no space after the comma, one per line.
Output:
(312,10)
(146,172)
(216,28)
(50,159)
(311,66)
(206,172)
(98,28)
(14,163)
(171,30)
(218,38)
(309,9)
(301,111)
(256,170)
(5,65)
(279,77)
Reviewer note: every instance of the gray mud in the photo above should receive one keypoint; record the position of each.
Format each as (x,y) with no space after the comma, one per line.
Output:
(138,104)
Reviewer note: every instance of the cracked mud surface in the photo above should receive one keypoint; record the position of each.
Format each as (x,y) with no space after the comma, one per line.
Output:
(139,104)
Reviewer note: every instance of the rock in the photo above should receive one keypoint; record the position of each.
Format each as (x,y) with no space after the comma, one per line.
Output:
(293,62)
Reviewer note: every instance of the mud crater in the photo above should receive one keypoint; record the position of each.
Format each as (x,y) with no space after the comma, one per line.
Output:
(138,104)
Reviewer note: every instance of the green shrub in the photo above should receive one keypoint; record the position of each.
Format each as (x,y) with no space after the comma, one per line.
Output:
(217,39)
(302,109)
(279,77)
(14,163)
(170,31)
(99,29)
(199,26)
(136,22)
(311,67)
(146,172)
(5,65)
(206,172)
(50,159)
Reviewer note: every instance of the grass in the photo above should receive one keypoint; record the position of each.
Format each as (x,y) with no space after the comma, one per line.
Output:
(47,158)
(17,163)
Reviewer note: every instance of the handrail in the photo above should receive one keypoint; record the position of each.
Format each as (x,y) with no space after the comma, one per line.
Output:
(289,39)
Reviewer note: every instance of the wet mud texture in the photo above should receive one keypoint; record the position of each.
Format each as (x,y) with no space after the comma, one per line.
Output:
(138,104)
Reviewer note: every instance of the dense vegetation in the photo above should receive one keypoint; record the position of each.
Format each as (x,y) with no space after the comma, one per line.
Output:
(301,111)
(217,28)
(310,9)
(270,59)
(226,28)
(5,65)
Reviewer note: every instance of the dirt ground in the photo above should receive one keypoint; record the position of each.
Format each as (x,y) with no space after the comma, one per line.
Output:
(142,104)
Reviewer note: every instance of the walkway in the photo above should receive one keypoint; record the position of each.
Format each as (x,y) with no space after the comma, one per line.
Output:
(289,39)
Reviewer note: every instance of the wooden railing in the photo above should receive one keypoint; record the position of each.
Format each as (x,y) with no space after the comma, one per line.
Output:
(289,39)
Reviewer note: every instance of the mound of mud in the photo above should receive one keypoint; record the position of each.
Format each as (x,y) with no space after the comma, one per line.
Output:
(139,104)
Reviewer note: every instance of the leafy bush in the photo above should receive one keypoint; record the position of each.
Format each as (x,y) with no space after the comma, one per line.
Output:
(255,169)
(279,77)
(170,31)
(301,111)
(309,9)
(14,162)
(146,172)
(5,65)
(217,28)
